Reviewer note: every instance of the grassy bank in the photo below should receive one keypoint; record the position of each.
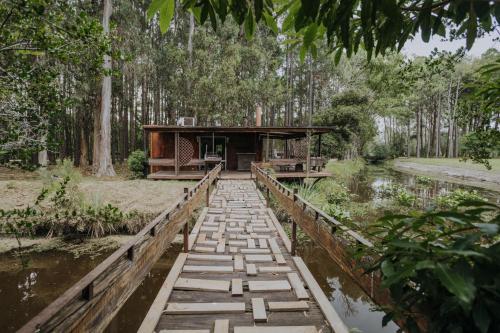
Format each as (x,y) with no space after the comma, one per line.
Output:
(345,169)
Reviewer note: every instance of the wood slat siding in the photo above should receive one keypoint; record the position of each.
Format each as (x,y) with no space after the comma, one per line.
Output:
(339,241)
(91,303)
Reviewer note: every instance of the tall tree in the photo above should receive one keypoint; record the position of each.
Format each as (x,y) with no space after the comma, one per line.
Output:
(105,162)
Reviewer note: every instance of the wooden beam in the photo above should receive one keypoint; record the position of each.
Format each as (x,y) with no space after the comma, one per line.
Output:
(149,323)
(176,143)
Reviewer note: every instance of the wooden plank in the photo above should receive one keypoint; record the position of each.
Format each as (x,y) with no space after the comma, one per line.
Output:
(262,243)
(274,246)
(204,308)
(255,251)
(251,270)
(259,310)
(237,243)
(272,285)
(236,287)
(233,249)
(298,286)
(221,326)
(275,329)
(184,331)
(326,307)
(258,258)
(209,229)
(207,242)
(201,284)
(250,243)
(280,259)
(274,269)
(288,306)
(202,237)
(154,313)
(204,249)
(281,231)
(221,246)
(196,228)
(201,269)
(238,262)
(209,257)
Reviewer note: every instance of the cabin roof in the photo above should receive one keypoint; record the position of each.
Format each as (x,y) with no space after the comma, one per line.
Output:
(264,130)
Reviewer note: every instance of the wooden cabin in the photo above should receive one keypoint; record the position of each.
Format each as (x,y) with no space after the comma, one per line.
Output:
(187,152)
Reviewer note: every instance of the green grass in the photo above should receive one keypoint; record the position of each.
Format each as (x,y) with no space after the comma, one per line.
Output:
(345,169)
(456,163)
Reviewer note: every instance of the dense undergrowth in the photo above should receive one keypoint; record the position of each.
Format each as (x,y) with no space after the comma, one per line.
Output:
(61,210)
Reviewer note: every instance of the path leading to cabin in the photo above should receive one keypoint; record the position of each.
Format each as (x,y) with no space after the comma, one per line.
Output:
(239,275)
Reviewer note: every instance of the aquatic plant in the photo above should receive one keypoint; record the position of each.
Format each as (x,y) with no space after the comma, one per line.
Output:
(423,180)
(458,196)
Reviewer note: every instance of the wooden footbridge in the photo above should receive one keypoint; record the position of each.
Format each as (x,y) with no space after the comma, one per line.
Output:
(238,271)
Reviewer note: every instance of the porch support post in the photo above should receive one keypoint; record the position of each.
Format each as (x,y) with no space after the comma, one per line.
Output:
(267,147)
(308,159)
(176,159)
(319,145)
(186,227)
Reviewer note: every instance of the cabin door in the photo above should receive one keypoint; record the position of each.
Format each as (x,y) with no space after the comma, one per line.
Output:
(214,145)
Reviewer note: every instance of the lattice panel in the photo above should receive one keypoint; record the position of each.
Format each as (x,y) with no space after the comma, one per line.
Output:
(186,151)
(299,149)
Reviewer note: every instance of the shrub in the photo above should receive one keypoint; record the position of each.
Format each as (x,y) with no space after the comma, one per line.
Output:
(423,180)
(458,196)
(136,162)
(337,194)
(443,265)
(376,153)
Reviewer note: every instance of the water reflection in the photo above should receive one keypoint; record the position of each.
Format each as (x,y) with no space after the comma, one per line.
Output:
(367,186)
(354,307)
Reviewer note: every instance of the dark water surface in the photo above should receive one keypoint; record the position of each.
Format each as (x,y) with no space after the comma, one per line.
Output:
(24,291)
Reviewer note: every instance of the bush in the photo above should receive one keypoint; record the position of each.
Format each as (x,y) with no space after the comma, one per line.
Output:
(442,265)
(423,180)
(377,153)
(455,198)
(136,162)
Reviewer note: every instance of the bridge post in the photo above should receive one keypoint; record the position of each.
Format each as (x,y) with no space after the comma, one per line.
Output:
(207,196)
(267,197)
(294,227)
(186,230)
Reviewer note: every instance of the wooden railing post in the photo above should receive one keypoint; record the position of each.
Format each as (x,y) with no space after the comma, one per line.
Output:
(186,230)
(268,197)
(294,228)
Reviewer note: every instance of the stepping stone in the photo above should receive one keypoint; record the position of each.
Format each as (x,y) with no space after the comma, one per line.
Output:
(273,285)
(238,263)
(259,310)
(288,306)
(209,257)
(274,269)
(200,308)
(251,270)
(236,287)
(275,329)
(258,258)
(221,326)
(201,269)
(298,286)
(201,285)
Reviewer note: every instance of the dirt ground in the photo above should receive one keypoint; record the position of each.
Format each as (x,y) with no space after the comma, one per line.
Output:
(19,189)
(466,173)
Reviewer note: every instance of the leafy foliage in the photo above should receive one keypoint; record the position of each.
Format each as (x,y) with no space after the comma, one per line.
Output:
(481,145)
(423,180)
(457,197)
(445,265)
(136,163)
(347,24)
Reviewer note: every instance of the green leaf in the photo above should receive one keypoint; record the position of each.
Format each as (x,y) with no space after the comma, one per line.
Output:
(302,53)
(459,285)
(249,25)
(166,14)
(338,55)
(270,22)
(471,27)
(154,7)
(310,34)
(487,228)
(481,317)
(258,7)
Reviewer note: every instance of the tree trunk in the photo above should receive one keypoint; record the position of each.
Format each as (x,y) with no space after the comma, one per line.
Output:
(419,135)
(105,161)
(190,64)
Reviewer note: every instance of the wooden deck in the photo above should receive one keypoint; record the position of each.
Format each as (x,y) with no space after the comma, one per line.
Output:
(238,275)
(196,175)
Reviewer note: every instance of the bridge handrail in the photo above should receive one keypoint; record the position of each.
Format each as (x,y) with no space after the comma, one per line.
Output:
(318,213)
(71,300)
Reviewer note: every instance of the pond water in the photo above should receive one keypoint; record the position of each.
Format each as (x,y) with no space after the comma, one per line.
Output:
(24,291)
(368,184)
